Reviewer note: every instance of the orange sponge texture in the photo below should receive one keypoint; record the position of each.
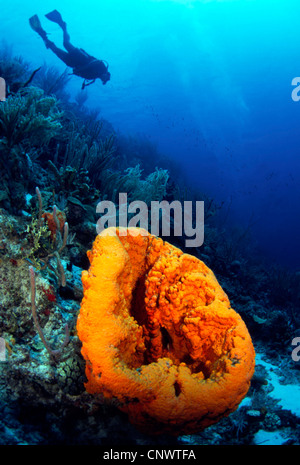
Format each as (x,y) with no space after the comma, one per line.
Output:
(159,335)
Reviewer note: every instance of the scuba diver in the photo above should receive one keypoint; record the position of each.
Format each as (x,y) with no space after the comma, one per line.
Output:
(83,64)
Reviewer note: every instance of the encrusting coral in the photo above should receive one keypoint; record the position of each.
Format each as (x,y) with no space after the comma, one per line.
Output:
(158,334)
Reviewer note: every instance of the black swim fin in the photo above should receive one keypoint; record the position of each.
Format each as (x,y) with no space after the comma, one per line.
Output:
(55,16)
(36,26)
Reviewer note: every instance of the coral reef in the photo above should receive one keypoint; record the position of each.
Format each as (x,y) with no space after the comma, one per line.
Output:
(77,158)
(159,334)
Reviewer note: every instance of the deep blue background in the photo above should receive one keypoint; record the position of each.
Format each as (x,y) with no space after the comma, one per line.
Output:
(208,81)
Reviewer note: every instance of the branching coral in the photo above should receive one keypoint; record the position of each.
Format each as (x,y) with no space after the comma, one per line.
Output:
(28,121)
(86,148)
(48,225)
(54,354)
(12,68)
(153,187)
(29,116)
(53,82)
(158,334)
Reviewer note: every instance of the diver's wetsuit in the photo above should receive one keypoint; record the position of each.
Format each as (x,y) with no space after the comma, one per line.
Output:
(83,64)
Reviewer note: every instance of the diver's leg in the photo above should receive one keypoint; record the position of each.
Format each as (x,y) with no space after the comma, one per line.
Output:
(56,17)
(66,39)
(61,54)
(35,24)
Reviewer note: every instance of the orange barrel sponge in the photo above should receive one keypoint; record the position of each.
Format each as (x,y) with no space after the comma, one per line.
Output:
(159,336)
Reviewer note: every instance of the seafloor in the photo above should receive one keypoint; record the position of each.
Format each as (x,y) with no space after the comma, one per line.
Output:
(57,160)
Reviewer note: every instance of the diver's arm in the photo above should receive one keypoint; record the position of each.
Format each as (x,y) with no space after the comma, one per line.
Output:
(88,84)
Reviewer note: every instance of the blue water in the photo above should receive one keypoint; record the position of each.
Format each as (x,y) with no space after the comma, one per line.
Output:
(209,82)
